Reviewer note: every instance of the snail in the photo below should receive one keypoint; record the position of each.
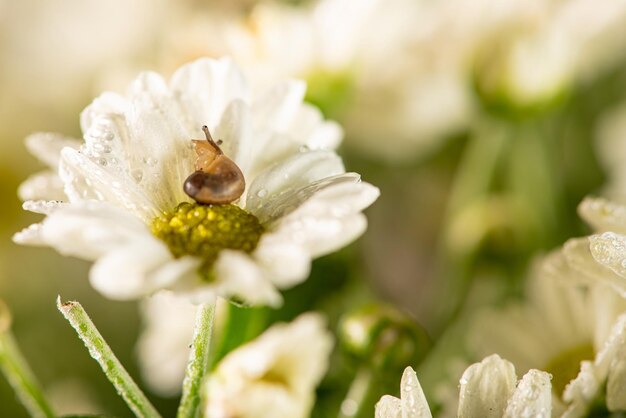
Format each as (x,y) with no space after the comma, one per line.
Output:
(217,179)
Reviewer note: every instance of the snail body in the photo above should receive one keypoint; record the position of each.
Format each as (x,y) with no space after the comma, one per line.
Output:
(217,179)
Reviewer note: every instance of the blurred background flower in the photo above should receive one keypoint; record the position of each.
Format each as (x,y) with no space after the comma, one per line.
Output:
(484,124)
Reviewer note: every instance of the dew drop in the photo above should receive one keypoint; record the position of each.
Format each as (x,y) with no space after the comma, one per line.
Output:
(150,161)
(262,193)
(137,175)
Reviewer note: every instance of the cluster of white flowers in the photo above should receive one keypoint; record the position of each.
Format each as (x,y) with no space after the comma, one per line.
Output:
(118,196)
(440,52)
(119,200)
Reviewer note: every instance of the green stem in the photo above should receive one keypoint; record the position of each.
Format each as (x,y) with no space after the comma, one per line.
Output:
(239,325)
(19,375)
(357,399)
(472,182)
(102,353)
(198,363)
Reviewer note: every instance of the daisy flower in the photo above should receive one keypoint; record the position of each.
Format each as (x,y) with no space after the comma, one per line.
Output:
(276,373)
(488,389)
(163,346)
(125,207)
(561,327)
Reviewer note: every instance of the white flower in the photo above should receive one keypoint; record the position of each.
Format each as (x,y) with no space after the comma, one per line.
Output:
(123,189)
(561,327)
(343,49)
(275,375)
(488,389)
(163,346)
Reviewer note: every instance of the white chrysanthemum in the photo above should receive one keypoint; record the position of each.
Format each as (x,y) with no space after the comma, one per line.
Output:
(560,328)
(124,188)
(277,373)
(488,389)
(163,346)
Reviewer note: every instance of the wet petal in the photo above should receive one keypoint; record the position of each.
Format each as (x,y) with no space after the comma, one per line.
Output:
(413,401)
(91,230)
(285,262)
(532,397)
(138,269)
(45,185)
(47,146)
(289,176)
(486,388)
(389,407)
(603,215)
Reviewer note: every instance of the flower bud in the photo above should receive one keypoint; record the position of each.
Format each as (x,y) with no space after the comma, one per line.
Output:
(383,335)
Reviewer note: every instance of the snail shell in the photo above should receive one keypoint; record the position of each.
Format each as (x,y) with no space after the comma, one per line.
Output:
(217,179)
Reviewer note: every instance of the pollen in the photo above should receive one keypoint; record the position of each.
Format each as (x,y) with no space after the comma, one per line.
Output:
(203,231)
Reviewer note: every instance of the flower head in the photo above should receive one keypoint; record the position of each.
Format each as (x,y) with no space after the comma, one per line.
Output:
(487,389)
(277,373)
(124,207)
(563,328)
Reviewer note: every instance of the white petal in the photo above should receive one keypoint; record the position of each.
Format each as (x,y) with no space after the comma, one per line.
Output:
(290,176)
(108,103)
(288,201)
(322,235)
(91,230)
(603,215)
(235,130)
(86,180)
(238,275)
(43,207)
(45,185)
(278,106)
(330,218)
(206,87)
(159,140)
(47,147)
(581,391)
(285,263)
(532,397)
(579,257)
(486,388)
(388,407)
(340,199)
(30,235)
(413,401)
(609,249)
(611,364)
(138,269)
(312,131)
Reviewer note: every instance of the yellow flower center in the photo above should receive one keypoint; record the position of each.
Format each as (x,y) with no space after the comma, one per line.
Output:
(204,231)
(565,366)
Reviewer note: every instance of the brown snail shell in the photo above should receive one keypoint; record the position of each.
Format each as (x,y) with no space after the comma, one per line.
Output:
(217,179)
